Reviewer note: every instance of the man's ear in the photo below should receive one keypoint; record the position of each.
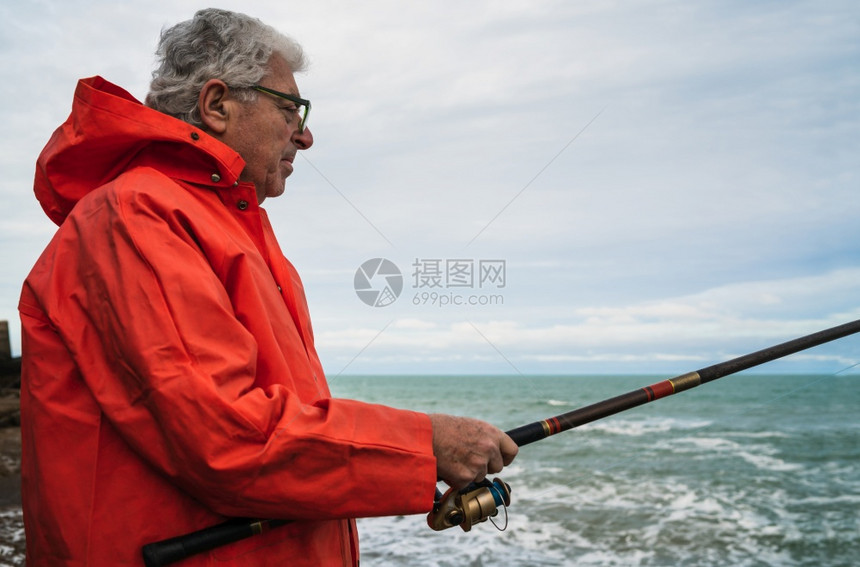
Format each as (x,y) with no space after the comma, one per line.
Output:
(215,106)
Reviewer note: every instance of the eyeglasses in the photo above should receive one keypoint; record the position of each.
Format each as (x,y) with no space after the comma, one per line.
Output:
(303,106)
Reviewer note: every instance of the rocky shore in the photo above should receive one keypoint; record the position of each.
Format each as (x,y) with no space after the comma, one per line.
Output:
(11,522)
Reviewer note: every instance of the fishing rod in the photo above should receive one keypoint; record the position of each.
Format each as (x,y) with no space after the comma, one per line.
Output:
(541,429)
(476,503)
(480,501)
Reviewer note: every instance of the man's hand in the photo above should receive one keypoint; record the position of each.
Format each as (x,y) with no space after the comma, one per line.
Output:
(467,450)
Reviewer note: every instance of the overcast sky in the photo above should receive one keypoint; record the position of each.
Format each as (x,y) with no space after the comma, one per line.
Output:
(649,186)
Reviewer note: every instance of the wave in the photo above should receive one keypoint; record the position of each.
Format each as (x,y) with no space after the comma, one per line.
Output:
(648,426)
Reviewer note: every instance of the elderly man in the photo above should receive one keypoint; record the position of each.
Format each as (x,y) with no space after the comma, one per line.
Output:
(170,379)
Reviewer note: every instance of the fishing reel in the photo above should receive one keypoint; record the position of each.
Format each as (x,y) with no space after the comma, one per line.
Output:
(470,505)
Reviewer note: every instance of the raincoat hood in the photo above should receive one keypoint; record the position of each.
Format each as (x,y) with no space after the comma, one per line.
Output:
(107,130)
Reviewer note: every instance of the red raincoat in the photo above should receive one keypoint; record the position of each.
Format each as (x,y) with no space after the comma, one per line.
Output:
(169,373)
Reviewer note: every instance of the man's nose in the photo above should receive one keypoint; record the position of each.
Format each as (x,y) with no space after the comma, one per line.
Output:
(304,140)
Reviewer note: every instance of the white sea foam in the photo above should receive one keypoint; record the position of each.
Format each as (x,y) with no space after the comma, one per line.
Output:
(767,463)
(650,426)
(758,434)
(830,501)
(759,455)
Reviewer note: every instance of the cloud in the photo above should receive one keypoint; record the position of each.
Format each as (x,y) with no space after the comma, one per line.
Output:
(710,205)
(709,326)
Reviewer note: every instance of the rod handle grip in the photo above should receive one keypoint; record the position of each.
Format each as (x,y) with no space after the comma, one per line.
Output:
(168,551)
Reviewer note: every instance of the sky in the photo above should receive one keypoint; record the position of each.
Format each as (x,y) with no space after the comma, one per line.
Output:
(564,187)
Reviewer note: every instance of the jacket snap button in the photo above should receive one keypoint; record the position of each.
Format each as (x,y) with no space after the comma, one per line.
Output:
(195,136)
(243,204)
(215,178)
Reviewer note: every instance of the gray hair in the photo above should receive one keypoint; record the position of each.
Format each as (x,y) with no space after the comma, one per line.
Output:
(215,44)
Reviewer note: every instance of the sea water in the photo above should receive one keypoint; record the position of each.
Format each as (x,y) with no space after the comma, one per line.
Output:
(749,470)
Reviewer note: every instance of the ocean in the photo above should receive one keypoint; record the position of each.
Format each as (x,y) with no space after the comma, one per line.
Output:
(749,470)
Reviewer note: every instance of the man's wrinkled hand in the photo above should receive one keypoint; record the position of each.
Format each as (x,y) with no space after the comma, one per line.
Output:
(467,449)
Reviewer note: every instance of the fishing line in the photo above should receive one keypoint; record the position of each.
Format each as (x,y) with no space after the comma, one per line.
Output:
(847,368)
(527,377)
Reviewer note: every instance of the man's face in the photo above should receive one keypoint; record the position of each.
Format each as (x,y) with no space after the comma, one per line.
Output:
(266,134)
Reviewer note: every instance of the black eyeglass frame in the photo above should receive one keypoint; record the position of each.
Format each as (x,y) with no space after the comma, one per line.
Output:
(292,98)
